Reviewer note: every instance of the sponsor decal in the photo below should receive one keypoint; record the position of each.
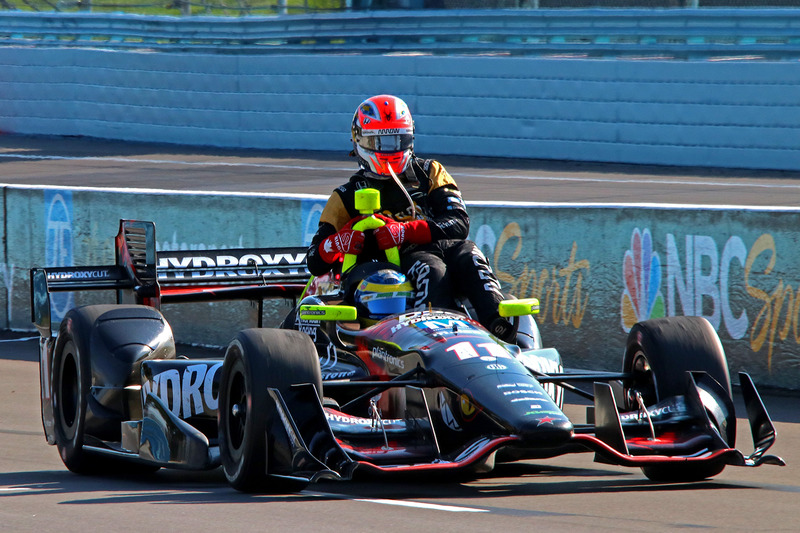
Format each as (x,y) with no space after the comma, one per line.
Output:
(309,327)
(311,331)
(496,367)
(545,420)
(327,376)
(385,131)
(446,325)
(676,406)
(81,274)
(524,388)
(342,418)
(532,392)
(381,354)
(545,365)
(170,265)
(188,393)
(540,412)
(527,399)
(346,419)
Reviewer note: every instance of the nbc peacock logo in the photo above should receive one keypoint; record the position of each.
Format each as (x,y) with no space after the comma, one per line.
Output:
(641,277)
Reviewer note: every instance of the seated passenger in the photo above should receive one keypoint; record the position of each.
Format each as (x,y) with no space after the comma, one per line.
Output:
(380,293)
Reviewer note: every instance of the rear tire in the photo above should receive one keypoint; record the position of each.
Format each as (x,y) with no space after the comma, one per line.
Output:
(258,359)
(72,381)
(660,352)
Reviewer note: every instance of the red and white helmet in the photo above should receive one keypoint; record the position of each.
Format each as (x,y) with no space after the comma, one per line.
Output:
(383,135)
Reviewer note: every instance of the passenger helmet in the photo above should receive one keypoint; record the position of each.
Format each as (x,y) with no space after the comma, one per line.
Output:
(383,135)
(382,293)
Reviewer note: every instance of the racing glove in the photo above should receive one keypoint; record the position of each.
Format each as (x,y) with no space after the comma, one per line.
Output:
(345,241)
(396,233)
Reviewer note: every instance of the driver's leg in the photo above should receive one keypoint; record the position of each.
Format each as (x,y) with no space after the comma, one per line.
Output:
(425,267)
(477,282)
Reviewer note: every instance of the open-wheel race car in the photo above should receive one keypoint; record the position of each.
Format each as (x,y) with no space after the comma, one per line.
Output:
(329,393)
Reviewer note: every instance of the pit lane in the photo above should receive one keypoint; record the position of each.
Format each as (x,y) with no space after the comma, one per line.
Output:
(570,492)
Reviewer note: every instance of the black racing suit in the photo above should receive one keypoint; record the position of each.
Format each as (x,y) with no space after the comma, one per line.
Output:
(448,264)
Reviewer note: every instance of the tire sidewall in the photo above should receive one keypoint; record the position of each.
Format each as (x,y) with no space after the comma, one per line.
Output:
(238,461)
(71,348)
(260,359)
(673,346)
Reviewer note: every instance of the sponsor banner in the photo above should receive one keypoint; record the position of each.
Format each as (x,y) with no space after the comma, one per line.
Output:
(597,271)
(54,227)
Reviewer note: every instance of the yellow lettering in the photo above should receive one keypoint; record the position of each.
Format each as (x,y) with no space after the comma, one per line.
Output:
(559,290)
(759,330)
(765,326)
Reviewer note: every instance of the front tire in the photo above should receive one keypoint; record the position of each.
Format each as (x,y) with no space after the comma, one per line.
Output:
(659,352)
(258,359)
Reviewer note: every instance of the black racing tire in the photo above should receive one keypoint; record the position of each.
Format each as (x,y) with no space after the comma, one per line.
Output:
(71,386)
(255,360)
(659,352)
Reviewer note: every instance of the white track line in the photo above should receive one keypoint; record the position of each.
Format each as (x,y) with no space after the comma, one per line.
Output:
(347,169)
(19,340)
(402,503)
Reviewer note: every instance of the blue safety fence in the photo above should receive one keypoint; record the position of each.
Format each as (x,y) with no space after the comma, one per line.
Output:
(766,34)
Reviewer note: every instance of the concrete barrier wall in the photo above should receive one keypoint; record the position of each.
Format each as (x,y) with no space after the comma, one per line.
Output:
(697,113)
(596,269)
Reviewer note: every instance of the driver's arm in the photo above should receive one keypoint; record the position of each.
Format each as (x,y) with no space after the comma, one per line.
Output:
(450,219)
(449,214)
(334,217)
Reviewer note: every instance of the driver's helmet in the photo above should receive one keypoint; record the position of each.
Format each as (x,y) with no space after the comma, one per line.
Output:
(383,135)
(383,293)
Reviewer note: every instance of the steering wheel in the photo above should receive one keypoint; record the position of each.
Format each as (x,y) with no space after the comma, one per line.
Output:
(368,202)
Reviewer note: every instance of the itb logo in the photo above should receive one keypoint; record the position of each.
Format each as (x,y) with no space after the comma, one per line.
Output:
(58,243)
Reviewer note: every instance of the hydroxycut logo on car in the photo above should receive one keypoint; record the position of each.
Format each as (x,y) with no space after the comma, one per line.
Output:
(199,266)
(79,274)
(186,392)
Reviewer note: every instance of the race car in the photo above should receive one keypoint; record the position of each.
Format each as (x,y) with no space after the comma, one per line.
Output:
(331,394)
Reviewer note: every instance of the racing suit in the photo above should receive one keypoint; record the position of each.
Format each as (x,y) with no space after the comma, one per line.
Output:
(447,264)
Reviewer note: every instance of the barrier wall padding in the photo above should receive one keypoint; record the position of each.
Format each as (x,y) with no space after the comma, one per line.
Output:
(694,113)
(595,270)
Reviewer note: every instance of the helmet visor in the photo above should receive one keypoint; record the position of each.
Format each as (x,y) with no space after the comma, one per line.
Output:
(387,143)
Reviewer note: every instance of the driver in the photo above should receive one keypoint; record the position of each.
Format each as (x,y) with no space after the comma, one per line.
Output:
(425,216)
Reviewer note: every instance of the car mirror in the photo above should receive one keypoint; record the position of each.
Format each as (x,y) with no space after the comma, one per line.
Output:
(525,306)
(328,313)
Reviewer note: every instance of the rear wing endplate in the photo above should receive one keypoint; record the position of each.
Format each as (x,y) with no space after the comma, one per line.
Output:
(143,276)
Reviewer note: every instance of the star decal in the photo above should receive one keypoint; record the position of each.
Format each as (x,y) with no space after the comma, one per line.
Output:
(545,420)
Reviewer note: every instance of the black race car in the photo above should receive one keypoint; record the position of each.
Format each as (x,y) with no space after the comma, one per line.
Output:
(327,395)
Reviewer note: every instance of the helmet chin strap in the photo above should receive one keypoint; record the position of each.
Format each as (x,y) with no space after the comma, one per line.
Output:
(408,197)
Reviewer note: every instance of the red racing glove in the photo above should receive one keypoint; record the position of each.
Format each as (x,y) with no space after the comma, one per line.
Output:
(396,233)
(345,241)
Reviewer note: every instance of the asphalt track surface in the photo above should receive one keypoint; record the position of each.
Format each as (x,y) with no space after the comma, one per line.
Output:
(570,493)
(78,162)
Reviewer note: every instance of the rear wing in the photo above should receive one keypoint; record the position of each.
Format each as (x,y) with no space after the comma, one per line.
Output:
(143,276)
